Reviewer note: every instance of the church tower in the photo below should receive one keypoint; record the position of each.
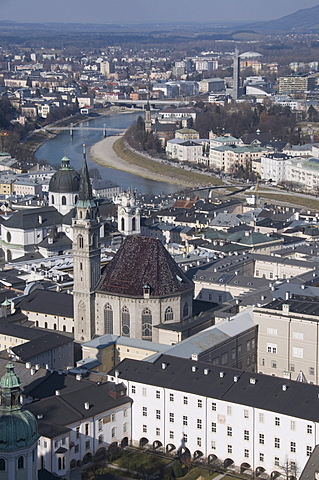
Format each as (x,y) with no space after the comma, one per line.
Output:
(86,258)
(128,215)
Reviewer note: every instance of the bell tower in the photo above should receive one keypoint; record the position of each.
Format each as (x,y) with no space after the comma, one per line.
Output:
(86,258)
(128,215)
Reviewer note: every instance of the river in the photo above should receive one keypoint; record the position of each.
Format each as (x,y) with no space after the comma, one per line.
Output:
(63,144)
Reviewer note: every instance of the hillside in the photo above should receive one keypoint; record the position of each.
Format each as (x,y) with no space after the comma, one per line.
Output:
(304,20)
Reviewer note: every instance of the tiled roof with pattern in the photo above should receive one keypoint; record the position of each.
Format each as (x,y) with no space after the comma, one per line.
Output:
(140,261)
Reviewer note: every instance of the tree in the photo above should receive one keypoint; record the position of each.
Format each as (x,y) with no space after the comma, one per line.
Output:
(289,469)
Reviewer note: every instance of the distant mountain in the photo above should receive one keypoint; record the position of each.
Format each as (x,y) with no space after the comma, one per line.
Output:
(304,20)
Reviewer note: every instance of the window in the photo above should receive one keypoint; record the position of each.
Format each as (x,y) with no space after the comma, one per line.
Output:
(185,437)
(297,335)
(77,432)
(309,428)
(273,364)
(277,421)
(185,420)
(100,439)
(272,331)
(158,394)
(292,425)
(144,428)
(311,370)
(246,434)
(248,345)
(309,450)
(133,389)
(229,431)
(297,352)
(113,432)
(246,413)
(76,448)
(271,347)
(126,322)
(144,411)
(277,461)
(171,434)
(277,442)
(228,410)
(293,447)
(144,392)
(261,457)
(87,445)
(113,417)
(2,465)
(214,427)
(261,418)
(157,432)
(261,438)
(199,423)
(169,314)
(86,429)
(214,406)
(171,397)
(158,414)
(199,442)
(224,358)
(146,324)
(292,367)
(229,449)
(200,403)
(233,354)
(213,445)
(125,427)
(100,424)
(124,412)
(262,362)
(108,319)
(171,417)
(246,453)
(185,310)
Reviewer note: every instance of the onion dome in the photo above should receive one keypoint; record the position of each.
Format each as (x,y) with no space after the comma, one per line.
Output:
(65,180)
(18,428)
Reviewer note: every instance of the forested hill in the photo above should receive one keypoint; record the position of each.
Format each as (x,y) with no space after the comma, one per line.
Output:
(304,20)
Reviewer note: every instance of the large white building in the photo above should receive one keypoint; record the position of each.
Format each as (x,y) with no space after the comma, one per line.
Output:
(250,422)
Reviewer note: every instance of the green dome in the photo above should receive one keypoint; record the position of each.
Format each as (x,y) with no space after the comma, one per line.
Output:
(18,428)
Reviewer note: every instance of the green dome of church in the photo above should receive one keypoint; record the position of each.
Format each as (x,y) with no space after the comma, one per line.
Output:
(18,428)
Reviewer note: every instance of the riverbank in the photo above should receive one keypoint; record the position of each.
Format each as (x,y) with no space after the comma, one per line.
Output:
(111,152)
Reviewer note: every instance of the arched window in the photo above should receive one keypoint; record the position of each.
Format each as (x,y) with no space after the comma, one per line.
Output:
(2,465)
(126,322)
(59,463)
(54,326)
(147,324)
(108,319)
(64,328)
(45,324)
(80,241)
(122,224)
(169,314)
(133,224)
(185,310)
(8,237)
(20,462)
(76,199)
(52,199)
(100,439)
(64,200)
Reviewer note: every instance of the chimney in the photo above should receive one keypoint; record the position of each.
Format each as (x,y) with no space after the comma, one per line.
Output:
(86,405)
(285,308)
(57,393)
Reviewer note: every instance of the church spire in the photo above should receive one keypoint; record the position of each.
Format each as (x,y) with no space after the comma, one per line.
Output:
(85,190)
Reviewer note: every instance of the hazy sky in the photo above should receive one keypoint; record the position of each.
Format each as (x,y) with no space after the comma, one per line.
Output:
(117,11)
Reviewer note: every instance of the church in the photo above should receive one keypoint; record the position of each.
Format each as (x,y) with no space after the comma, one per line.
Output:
(139,294)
